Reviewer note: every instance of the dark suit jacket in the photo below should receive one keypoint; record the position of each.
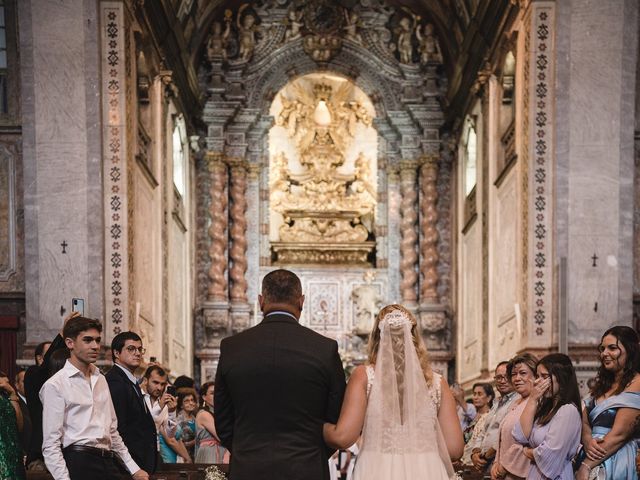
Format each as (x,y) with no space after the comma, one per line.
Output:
(135,423)
(276,384)
(34,378)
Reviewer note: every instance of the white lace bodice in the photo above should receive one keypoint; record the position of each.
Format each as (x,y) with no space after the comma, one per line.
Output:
(435,389)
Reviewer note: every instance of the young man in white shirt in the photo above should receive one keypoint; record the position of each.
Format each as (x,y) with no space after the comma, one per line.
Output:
(80,428)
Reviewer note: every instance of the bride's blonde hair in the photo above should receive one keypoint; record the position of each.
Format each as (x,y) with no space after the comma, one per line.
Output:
(398,343)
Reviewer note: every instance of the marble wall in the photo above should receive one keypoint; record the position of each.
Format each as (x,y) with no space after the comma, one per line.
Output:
(596,65)
(62,177)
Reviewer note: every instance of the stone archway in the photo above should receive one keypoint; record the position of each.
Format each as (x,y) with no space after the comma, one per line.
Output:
(412,226)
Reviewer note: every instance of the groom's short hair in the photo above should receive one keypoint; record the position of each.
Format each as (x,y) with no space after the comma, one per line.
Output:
(281,286)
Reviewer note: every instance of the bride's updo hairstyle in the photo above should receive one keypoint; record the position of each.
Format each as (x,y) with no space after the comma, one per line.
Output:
(398,340)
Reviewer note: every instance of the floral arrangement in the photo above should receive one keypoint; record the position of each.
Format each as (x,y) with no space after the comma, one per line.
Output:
(214,473)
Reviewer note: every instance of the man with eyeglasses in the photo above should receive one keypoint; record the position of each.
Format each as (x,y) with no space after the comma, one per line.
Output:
(484,442)
(135,423)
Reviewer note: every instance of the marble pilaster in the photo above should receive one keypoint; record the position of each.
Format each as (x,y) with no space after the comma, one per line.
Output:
(408,224)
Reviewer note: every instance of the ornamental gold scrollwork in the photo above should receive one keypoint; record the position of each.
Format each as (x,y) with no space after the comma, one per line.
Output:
(322,202)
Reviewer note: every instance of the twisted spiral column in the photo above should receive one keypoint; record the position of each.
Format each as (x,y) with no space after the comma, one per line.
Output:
(238,231)
(217,290)
(428,230)
(409,236)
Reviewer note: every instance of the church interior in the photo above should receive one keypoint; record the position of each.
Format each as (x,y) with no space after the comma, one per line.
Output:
(473,160)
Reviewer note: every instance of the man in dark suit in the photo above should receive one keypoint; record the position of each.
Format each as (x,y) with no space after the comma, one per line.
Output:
(276,384)
(135,423)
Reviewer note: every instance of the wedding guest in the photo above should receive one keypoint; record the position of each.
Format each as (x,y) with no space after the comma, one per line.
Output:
(549,426)
(610,413)
(510,462)
(208,448)
(482,398)
(11,466)
(19,383)
(465,410)
(481,449)
(34,378)
(80,427)
(186,419)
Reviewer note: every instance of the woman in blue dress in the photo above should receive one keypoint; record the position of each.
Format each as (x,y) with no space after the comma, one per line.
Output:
(611,412)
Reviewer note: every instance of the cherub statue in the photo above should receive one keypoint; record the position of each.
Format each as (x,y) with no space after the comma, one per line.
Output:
(405,30)
(351,27)
(217,44)
(294,23)
(429,47)
(247,33)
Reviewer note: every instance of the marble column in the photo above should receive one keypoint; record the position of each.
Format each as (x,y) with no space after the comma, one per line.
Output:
(240,309)
(216,308)
(428,230)
(433,318)
(409,235)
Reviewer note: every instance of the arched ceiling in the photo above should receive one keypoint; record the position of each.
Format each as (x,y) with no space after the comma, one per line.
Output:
(467,30)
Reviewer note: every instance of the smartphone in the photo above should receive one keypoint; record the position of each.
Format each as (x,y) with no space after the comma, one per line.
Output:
(77,305)
(171,390)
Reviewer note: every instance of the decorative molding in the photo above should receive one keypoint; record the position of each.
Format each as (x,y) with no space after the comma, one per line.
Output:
(8,162)
(541,168)
(115,167)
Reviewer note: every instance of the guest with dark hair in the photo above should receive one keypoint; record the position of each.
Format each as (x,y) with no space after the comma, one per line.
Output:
(34,378)
(208,447)
(482,447)
(510,462)
(549,427)
(80,427)
(57,360)
(482,399)
(612,409)
(135,423)
(186,418)
(11,466)
(184,382)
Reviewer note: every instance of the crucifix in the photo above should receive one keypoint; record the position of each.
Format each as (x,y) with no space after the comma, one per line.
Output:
(64,246)
(595,260)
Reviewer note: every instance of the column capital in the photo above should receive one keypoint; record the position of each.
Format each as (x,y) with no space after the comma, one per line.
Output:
(429,160)
(237,163)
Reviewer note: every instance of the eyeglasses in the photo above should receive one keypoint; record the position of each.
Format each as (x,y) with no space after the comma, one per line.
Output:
(501,378)
(133,349)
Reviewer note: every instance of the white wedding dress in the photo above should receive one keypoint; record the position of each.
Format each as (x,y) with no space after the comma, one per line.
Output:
(401,437)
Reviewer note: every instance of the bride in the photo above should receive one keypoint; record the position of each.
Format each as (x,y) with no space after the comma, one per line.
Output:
(405,411)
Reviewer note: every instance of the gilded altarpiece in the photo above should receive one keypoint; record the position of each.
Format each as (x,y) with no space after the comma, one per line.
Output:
(363,222)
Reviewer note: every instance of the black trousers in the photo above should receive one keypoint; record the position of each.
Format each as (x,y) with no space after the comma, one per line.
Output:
(83,466)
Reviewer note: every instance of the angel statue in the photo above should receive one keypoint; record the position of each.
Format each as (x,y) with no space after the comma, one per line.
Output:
(247,33)
(294,23)
(429,47)
(405,30)
(217,44)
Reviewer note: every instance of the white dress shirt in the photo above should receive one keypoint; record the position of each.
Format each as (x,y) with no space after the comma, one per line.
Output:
(78,411)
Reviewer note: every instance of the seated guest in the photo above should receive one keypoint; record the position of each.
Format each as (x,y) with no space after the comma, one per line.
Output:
(11,466)
(482,401)
(208,447)
(186,418)
(80,427)
(549,426)
(135,423)
(610,413)
(482,446)
(510,462)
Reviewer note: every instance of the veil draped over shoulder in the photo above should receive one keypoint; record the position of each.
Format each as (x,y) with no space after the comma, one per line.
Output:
(401,434)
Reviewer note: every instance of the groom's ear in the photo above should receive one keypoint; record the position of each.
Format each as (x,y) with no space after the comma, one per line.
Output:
(261,302)
(301,301)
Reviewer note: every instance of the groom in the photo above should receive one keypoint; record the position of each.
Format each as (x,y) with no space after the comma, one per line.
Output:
(276,384)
